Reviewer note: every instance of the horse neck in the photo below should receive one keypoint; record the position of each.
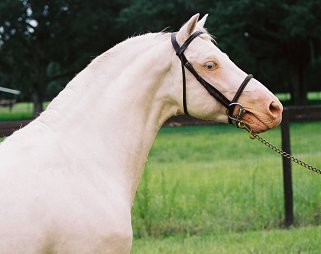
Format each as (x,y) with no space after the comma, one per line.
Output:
(113,114)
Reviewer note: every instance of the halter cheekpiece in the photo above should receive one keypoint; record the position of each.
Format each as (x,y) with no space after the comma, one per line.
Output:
(229,105)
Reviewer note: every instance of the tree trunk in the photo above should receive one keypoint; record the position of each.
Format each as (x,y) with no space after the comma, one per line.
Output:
(37,100)
(299,87)
(38,92)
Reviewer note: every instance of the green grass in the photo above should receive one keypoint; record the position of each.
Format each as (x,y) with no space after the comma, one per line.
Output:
(314,96)
(311,96)
(211,189)
(214,180)
(283,96)
(294,241)
(21,111)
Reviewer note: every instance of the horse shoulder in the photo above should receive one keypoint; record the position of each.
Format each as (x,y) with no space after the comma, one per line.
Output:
(52,205)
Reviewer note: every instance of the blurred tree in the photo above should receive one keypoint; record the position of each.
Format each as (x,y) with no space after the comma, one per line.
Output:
(42,42)
(141,16)
(279,40)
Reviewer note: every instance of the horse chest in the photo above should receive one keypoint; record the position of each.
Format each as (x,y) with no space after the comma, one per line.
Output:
(66,222)
(60,211)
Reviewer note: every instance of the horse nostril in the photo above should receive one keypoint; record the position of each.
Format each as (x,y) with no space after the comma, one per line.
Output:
(275,109)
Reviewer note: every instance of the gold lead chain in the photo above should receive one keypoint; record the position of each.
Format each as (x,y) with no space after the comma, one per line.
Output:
(253,135)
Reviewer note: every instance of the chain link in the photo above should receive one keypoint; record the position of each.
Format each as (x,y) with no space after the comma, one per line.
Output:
(253,135)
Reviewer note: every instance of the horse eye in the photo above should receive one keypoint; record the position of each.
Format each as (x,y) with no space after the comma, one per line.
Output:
(210,66)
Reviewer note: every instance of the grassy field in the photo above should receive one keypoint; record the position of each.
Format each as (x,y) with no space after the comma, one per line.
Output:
(313,97)
(294,241)
(214,179)
(211,189)
(21,111)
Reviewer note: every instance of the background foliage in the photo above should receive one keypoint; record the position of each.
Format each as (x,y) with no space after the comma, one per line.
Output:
(44,43)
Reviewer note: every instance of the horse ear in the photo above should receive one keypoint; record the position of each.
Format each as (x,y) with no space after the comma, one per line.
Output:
(187,29)
(201,23)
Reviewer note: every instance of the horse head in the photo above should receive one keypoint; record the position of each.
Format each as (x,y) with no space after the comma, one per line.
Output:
(261,110)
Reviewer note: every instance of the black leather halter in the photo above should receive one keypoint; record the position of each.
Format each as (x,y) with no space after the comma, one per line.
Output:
(229,105)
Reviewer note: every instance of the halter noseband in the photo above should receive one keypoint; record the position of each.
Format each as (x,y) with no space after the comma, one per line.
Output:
(229,105)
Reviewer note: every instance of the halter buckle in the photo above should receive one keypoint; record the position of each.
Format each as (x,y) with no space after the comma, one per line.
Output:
(236,120)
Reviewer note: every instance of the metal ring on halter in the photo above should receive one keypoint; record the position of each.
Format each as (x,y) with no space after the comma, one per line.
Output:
(237,120)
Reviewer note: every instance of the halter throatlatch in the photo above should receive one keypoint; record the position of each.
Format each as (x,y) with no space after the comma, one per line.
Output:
(229,105)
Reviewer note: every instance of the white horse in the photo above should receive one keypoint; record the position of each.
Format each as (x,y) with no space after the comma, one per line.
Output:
(68,179)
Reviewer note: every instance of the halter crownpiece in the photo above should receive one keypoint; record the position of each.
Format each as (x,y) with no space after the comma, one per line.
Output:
(229,105)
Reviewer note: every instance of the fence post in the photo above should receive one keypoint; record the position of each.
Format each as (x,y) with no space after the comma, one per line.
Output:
(287,171)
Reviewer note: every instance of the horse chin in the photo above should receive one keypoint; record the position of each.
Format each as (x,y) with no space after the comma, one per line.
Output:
(256,124)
